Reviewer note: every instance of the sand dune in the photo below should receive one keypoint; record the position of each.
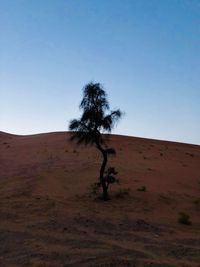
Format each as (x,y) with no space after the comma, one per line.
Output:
(49,216)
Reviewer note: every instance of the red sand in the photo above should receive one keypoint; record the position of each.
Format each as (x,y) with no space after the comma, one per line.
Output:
(48,216)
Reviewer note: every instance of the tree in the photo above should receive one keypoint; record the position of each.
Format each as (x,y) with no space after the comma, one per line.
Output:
(96,119)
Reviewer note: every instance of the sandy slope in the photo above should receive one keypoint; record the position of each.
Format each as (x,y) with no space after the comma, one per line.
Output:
(48,216)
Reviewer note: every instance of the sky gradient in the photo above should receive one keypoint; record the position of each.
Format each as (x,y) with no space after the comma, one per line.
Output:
(145,53)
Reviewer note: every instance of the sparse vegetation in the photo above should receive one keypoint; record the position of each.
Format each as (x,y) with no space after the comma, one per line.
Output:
(189,154)
(197,203)
(142,189)
(109,179)
(89,128)
(184,218)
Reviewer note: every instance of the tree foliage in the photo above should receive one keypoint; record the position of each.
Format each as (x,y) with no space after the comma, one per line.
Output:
(96,119)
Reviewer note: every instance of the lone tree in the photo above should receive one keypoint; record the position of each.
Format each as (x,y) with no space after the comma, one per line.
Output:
(96,119)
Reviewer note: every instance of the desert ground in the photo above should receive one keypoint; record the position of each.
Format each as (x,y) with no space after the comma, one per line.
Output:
(49,216)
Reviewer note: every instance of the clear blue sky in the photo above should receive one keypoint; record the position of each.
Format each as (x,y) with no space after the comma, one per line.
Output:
(146,53)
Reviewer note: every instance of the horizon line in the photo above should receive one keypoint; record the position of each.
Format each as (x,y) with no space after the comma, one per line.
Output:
(113,134)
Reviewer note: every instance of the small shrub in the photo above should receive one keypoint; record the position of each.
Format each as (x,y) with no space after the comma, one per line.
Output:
(189,154)
(184,218)
(109,176)
(142,189)
(197,201)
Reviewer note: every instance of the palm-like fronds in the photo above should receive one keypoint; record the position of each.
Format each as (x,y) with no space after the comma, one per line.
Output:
(80,132)
(109,120)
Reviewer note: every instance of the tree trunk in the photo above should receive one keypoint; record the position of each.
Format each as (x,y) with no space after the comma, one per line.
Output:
(102,170)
